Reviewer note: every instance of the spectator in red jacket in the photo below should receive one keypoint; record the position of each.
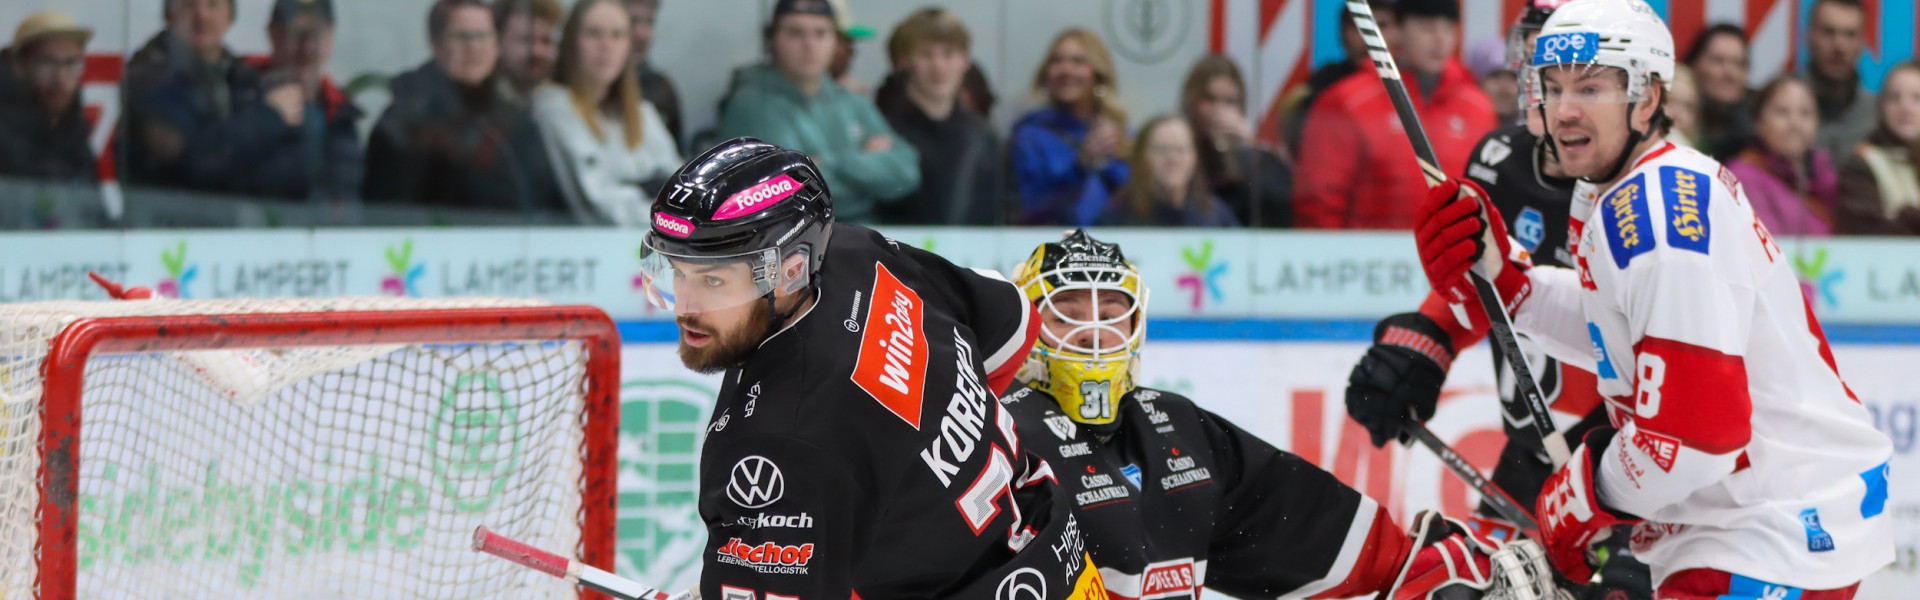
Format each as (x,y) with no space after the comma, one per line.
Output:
(1356,169)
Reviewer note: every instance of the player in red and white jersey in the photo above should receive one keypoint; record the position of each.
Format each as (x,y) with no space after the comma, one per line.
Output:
(1746,466)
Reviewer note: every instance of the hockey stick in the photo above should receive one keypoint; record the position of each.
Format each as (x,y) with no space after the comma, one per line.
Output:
(575,572)
(1502,323)
(1504,504)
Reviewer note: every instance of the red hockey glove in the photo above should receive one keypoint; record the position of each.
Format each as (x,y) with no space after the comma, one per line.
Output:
(1448,560)
(1456,225)
(1571,517)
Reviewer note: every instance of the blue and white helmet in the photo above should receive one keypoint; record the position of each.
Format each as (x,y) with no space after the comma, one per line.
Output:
(1624,34)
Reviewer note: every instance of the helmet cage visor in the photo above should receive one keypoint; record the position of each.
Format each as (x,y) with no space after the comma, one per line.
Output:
(689,283)
(1110,338)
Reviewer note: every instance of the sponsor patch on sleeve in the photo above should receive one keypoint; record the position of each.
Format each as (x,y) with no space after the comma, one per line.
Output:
(1624,213)
(1530,229)
(1685,195)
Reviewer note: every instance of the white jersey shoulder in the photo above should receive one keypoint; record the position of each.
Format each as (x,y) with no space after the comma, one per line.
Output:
(1677,200)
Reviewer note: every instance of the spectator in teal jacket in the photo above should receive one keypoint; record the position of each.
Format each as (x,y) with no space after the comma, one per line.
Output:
(791,102)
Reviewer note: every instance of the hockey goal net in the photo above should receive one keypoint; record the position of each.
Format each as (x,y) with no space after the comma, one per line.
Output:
(301,448)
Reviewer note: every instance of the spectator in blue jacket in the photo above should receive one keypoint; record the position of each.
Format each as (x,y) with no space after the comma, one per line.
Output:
(198,117)
(791,102)
(1068,155)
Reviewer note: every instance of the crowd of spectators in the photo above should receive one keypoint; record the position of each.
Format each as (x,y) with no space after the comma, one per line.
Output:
(530,109)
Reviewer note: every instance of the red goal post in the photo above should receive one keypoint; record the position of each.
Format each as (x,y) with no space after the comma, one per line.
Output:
(546,376)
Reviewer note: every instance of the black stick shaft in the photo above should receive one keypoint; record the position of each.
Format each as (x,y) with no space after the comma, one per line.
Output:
(1501,323)
(1495,497)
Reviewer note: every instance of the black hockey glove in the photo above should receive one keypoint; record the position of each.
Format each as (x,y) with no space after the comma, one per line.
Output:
(1400,375)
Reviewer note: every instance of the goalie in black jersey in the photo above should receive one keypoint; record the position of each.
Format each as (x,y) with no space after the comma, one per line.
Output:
(856,448)
(1171,497)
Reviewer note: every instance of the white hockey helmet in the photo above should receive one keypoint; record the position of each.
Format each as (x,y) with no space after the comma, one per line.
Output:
(1624,34)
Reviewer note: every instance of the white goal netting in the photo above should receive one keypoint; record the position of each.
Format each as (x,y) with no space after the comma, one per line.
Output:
(297,472)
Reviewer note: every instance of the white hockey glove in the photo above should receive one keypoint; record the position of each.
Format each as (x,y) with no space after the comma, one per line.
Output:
(1451,562)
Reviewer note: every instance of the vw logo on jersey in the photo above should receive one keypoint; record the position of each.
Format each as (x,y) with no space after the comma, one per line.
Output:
(756,482)
(1024,584)
(1530,229)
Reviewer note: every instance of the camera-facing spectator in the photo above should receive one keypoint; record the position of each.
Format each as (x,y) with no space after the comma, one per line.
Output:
(301,34)
(1880,181)
(1356,170)
(1683,108)
(657,87)
(962,162)
(1790,182)
(1254,183)
(198,117)
(526,30)
(1166,189)
(1068,155)
(1835,39)
(610,149)
(791,102)
(1719,62)
(448,138)
(45,129)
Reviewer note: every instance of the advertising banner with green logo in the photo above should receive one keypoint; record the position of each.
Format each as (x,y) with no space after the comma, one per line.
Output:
(1192,273)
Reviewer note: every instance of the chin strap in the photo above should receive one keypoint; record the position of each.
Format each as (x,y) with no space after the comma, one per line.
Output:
(777,318)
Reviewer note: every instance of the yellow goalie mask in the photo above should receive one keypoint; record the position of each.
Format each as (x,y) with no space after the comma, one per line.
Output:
(1093,315)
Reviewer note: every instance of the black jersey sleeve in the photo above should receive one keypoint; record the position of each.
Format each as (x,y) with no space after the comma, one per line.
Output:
(792,522)
(1002,320)
(1285,526)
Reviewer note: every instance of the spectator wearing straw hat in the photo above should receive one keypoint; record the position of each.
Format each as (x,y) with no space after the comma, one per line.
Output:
(46,130)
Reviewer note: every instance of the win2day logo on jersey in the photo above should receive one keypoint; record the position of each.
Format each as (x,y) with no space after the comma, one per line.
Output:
(892,366)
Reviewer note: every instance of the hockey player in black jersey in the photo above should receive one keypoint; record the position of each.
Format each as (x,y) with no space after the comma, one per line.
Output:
(1171,497)
(1402,373)
(856,448)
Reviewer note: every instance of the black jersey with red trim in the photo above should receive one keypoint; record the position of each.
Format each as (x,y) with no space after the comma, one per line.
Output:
(861,450)
(1534,205)
(1178,498)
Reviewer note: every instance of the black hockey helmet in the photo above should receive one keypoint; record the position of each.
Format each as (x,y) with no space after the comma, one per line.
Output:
(743,201)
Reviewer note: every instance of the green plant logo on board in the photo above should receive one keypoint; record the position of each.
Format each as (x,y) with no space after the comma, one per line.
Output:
(660,533)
